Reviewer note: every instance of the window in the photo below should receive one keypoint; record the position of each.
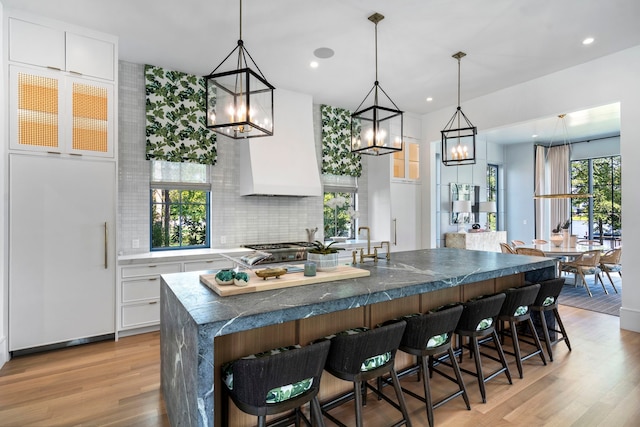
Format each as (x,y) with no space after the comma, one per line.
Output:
(340,205)
(180,205)
(492,194)
(598,217)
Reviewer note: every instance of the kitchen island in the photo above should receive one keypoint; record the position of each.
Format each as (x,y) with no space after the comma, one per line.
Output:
(201,330)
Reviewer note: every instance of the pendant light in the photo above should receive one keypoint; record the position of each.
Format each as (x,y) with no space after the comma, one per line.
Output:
(239,102)
(566,141)
(376,130)
(459,143)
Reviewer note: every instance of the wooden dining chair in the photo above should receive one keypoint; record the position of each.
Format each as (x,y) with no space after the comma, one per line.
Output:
(610,263)
(507,248)
(517,243)
(530,252)
(540,242)
(586,263)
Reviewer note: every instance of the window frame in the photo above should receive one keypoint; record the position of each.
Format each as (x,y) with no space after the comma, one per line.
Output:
(493,195)
(179,177)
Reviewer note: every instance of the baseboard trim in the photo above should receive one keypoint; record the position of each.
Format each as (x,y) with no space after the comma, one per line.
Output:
(60,345)
(630,319)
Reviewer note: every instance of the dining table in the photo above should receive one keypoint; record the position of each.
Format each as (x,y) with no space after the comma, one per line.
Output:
(551,250)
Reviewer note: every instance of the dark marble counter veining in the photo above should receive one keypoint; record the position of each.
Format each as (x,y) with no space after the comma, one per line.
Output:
(192,315)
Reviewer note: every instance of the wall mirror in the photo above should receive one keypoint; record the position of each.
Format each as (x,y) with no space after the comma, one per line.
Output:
(460,193)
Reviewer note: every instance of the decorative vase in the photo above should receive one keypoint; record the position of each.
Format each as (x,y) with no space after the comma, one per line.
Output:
(565,238)
(557,239)
(324,262)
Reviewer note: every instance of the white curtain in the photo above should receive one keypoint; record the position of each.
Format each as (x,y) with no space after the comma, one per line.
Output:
(559,183)
(540,188)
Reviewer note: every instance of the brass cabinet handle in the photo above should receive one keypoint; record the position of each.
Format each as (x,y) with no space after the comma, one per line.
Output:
(395,231)
(153,302)
(106,246)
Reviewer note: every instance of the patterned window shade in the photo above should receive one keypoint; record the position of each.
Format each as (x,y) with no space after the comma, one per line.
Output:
(176,130)
(337,158)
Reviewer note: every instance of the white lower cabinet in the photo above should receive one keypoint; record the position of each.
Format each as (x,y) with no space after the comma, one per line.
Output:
(138,308)
(139,296)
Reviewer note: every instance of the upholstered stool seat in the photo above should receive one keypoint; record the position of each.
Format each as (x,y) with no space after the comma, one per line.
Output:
(515,310)
(361,355)
(275,382)
(476,323)
(428,336)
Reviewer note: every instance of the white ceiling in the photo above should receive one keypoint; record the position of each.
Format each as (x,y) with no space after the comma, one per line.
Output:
(507,42)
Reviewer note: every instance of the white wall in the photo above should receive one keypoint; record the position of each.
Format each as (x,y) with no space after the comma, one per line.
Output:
(613,78)
(4,312)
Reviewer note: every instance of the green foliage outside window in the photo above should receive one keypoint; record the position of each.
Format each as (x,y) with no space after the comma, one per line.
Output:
(601,177)
(339,213)
(492,194)
(179,218)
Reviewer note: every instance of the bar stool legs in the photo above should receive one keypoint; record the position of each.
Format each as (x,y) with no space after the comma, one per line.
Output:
(362,355)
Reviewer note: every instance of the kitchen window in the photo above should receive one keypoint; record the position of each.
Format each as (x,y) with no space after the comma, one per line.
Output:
(340,206)
(492,195)
(180,205)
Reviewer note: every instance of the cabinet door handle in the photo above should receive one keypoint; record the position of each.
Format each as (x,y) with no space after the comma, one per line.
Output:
(153,302)
(54,68)
(106,246)
(395,232)
(77,73)
(153,279)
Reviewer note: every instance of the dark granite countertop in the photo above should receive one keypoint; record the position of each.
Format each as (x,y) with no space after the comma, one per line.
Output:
(406,274)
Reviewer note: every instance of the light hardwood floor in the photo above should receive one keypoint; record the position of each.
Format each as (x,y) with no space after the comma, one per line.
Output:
(118,384)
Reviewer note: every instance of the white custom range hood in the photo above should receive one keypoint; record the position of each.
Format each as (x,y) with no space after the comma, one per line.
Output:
(284,164)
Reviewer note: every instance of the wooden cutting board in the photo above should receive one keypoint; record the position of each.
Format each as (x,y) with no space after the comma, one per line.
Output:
(257,284)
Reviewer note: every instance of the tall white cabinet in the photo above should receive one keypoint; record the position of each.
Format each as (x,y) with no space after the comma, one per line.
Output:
(62,175)
(395,192)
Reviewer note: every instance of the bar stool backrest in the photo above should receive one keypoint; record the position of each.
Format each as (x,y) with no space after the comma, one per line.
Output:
(549,291)
(253,378)
(349,351)
(479,309)
(421,328)
(519,297)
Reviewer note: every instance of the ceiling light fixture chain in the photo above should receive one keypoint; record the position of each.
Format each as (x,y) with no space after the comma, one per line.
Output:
(376,130)
(239,103)
(459,144)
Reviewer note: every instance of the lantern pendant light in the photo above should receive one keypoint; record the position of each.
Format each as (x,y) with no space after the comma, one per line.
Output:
(459,143)
(376,130)
(239,103)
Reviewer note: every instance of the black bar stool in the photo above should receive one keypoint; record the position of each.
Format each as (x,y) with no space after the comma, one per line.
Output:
(276,381)
(516,309)
(547,300)
(478,322)
(428,336)
(360,355)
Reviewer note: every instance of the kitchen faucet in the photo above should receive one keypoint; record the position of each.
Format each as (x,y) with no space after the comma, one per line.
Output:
(373,255)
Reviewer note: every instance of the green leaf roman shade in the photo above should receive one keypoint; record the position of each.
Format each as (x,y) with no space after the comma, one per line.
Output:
(337,158)
(176,130)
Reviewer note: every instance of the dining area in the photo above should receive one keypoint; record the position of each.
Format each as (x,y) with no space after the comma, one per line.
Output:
(579,260)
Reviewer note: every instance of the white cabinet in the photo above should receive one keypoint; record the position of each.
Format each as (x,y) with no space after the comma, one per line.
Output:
(60,114)
(45,46)
(62,249)
(139,293)
(405,216)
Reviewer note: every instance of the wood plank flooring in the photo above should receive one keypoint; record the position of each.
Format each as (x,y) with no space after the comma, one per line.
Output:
(118,384)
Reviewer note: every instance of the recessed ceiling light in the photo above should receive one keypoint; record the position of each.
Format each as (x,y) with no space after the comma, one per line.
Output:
(588,40)
(534,136)
(313,64)
(323,52)
(429,99)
